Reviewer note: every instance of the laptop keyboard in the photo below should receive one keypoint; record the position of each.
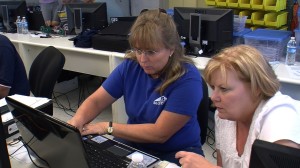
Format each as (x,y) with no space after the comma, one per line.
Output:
(103,159)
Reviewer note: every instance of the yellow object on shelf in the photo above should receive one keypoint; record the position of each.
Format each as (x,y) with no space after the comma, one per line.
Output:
(221,3)
(283,28)
(257,4)
(248,14)
(258,18)
(245,4)
(210,2)
(276,19)
(274,5)
(232,3)
(236,11)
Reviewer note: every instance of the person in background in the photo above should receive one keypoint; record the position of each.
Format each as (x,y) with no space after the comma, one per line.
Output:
(49,10)
(161,89)
(245,91)
(13,78)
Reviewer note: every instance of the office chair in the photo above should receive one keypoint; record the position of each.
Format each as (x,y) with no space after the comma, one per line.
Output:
(44,72)
(202,112)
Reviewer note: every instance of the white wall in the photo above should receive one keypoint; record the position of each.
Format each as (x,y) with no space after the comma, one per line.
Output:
(138,5)
(117,7)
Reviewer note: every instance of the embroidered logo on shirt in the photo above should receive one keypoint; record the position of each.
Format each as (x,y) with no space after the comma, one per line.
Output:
(160,101)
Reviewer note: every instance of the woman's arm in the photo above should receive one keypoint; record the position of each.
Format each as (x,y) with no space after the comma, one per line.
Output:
(193,160)
(91,108)
(219,158)
(157,132)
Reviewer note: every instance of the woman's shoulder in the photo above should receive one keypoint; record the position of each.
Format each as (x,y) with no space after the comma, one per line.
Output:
(280,99)
(128,63)
(191,69)
(278,103)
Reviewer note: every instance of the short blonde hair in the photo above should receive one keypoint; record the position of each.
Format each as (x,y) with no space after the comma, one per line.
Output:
(251,67)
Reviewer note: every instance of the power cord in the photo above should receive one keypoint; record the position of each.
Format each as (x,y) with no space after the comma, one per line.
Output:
(30,157)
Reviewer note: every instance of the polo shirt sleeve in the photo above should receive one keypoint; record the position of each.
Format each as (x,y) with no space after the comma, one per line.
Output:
(185,94)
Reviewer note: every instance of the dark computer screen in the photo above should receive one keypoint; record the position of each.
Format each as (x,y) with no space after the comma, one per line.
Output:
(82,16)
(271,155)
(195,33)
(9,10)
(216,27)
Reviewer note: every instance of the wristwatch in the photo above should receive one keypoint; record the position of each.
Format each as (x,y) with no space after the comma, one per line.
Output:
(110,128)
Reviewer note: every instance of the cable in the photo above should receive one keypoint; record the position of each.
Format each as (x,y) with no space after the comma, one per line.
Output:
(30,157)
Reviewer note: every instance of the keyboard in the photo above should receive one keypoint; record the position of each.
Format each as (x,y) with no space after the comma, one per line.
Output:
(102,158)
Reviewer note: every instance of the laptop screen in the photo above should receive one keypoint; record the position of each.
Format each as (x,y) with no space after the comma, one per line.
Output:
(4,157)
(59,144)
(55,142)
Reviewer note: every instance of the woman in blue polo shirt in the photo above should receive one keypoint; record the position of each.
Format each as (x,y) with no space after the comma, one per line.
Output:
(161,89)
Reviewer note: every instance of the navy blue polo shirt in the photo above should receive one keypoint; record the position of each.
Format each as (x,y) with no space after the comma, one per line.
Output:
(12,70)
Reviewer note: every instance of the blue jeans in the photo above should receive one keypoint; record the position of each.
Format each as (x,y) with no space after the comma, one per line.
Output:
(167,156)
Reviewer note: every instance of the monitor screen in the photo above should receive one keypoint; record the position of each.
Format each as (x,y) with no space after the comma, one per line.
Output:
(271,155)
(82,16)
(9,10)
(216,27)
(195,33)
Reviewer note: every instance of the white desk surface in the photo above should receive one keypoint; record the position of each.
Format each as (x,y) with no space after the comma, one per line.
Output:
(64,44)
(101,63)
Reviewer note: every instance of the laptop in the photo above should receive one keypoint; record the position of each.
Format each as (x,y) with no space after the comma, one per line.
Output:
(4,157)
(271,155)
(59,144)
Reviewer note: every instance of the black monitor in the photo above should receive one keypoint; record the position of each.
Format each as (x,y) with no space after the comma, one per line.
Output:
(216,27)
(9,10)
(82,16)
(271,155)
(195,34)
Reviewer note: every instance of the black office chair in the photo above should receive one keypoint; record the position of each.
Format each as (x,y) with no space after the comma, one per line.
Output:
(202,113)
(44,72)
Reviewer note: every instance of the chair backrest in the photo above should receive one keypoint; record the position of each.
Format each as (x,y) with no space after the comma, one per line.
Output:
(44,71)
(203,110)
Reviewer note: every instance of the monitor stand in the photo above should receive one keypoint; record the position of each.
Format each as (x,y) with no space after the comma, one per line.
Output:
(78,20)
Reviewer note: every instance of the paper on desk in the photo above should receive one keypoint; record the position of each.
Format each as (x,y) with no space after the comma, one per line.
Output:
(30,101)
(2,102)
(294,71)
(6,117)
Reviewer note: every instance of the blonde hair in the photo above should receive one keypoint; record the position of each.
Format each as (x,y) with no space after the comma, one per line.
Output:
(153,30)
(251,67)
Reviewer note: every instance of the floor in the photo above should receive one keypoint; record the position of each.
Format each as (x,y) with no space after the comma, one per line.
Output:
(65,102)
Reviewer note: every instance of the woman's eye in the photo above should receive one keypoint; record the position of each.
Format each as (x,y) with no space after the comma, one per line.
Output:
(224,89)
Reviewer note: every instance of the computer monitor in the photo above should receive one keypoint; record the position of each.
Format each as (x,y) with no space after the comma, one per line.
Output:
(9,10)
(82,16)
(271,155)
(195,34)
(216,27)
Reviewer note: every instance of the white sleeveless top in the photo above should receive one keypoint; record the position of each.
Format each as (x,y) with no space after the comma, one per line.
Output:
(275,119)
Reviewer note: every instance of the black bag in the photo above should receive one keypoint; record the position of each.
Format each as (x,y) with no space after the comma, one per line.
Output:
(114,37)
(84,39)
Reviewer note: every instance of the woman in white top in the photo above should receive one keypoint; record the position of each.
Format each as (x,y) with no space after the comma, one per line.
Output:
(245,91)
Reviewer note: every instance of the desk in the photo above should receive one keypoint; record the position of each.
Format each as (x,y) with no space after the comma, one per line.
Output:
(83,60)
(101,63)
